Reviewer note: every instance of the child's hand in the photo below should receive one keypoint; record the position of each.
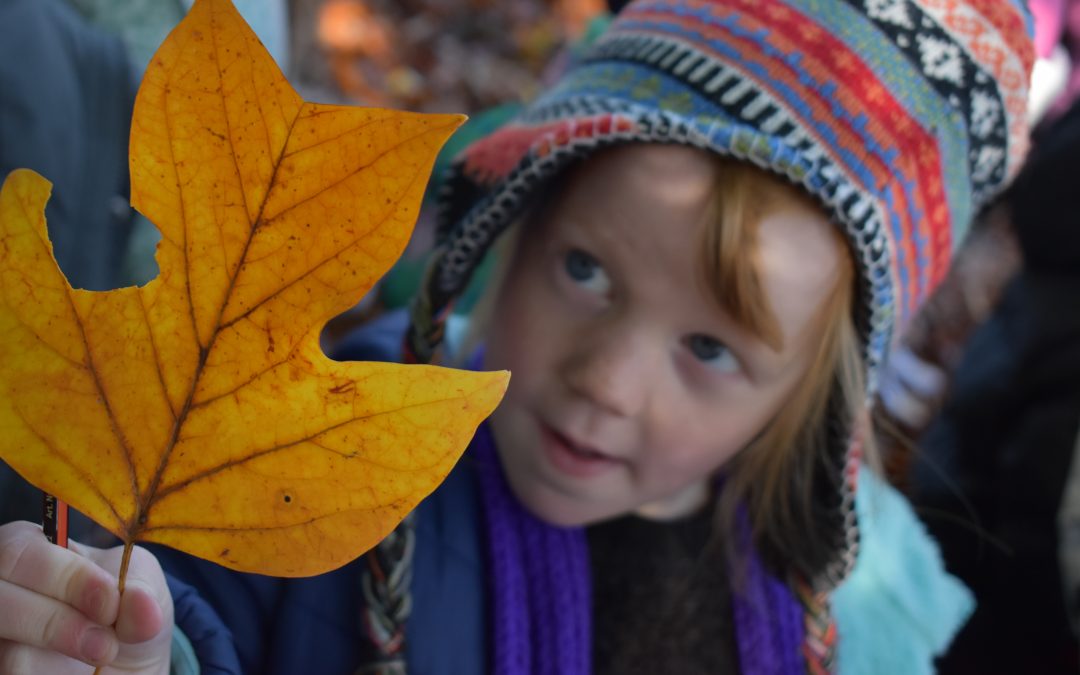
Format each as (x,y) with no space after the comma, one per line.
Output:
(59,606)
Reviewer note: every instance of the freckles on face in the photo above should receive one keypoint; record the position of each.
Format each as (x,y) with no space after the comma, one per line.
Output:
(630,385)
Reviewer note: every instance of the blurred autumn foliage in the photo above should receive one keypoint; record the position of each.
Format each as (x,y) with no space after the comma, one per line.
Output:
(479,57)
(446,55)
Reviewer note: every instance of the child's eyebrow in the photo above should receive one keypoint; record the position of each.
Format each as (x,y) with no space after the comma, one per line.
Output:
(729,254)
(737,287)
(744,196)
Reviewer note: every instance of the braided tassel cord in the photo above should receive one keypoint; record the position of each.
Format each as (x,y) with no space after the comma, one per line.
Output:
(386,583)
(819,643)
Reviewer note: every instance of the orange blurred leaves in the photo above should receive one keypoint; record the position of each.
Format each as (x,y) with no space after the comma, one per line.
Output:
(198,411)
(437,55)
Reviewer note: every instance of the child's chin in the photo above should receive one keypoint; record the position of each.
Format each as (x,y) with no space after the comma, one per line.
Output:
(562,511)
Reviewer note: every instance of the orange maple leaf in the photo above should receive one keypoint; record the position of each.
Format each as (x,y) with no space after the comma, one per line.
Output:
(199,411)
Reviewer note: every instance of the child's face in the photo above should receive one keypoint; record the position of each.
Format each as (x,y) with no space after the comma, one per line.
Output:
(631,386)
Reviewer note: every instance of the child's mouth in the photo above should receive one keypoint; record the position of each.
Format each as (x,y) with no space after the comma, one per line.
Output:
(572,459)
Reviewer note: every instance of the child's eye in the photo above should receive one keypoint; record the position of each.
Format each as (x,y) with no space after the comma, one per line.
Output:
(712,353)
(586,272)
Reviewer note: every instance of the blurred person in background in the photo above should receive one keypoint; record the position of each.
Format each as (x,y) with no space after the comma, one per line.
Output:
(991,371)
(996,477)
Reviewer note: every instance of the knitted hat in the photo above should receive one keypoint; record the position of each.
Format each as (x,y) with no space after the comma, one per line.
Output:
(901,117)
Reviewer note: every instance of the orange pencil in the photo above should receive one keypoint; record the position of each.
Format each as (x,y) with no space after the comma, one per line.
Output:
(55,520)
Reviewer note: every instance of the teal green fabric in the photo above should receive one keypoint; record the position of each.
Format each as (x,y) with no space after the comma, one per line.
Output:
(182,661)
(899,608)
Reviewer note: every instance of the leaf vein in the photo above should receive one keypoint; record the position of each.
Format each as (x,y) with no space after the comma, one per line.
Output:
(370,462)
(83,474)
(152,492)
(233,463)
(157,356)
(311,270)
(67,291)
(262,116)
(326,141)
(105,401)
(170,133)
(113,424)
(268,528)
(232,153)
(195,405)
(352,174)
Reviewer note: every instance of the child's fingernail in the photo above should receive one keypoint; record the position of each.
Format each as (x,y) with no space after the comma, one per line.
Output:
(95,645)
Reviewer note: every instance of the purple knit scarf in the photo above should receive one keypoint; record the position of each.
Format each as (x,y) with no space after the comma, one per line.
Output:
(542,613)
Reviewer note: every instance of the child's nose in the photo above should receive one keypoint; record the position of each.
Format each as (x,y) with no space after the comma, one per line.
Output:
(612,372)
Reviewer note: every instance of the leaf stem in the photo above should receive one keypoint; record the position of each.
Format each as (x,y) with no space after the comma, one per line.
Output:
(128,546)
(124,562)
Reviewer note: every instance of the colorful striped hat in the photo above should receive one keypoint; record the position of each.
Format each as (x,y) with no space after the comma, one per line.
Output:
(901,117)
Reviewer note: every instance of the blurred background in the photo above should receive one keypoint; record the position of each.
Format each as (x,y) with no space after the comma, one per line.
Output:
(434,55)
(980,409)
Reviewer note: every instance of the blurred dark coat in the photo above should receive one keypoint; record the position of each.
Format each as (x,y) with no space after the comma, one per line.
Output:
(66,94)
(995,463)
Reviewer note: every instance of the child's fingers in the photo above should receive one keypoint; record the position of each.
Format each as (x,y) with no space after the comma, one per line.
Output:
(141,615)
(28,560)
(16,659)
(67,601)
(146,606)
(36,620)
